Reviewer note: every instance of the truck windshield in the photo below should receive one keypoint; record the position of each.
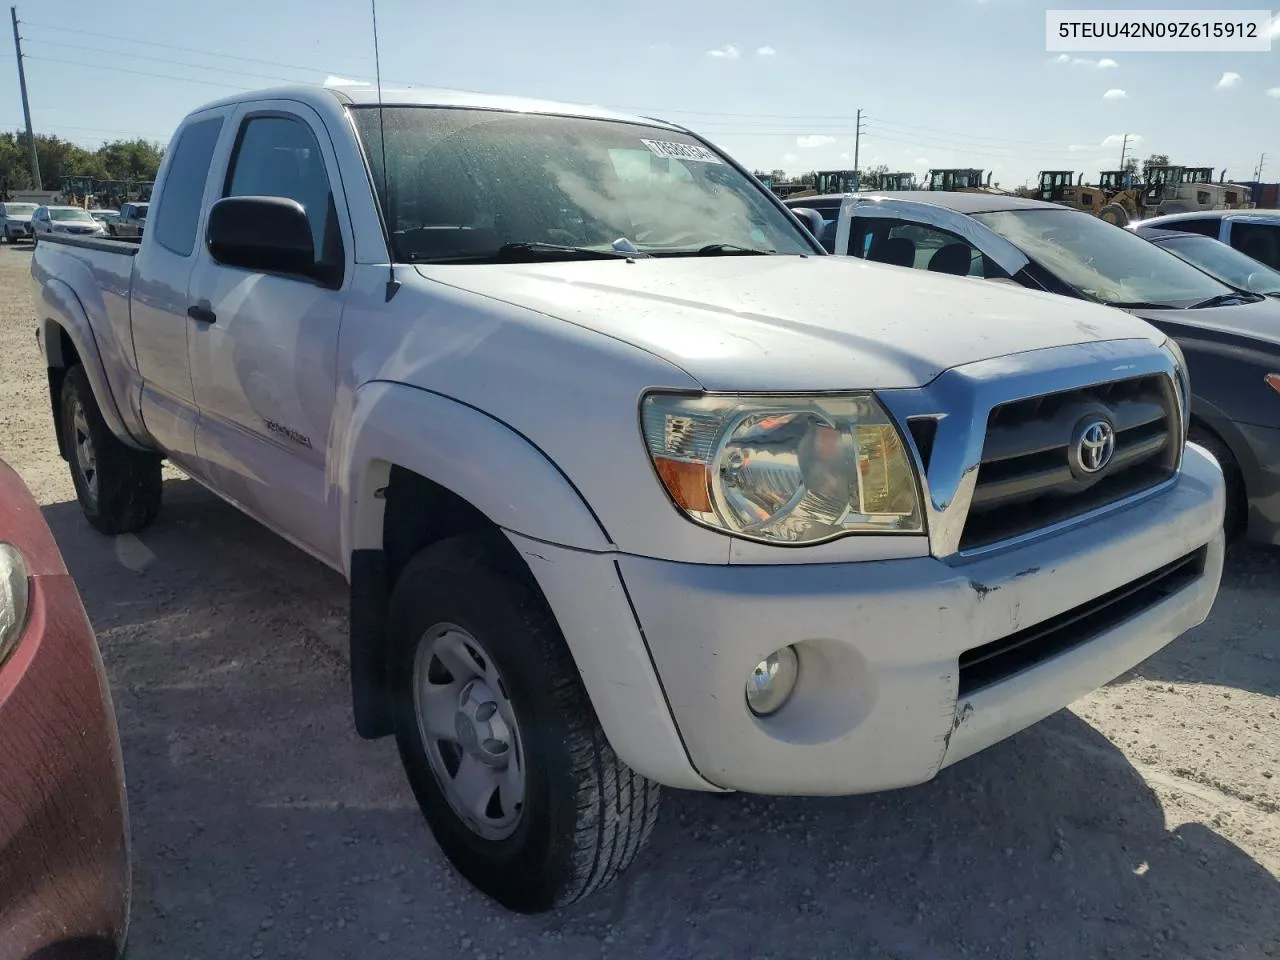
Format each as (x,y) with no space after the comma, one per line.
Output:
(466,185)
(1103,261)
(68,213)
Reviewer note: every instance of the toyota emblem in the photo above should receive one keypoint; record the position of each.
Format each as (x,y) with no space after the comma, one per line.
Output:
(1095,446)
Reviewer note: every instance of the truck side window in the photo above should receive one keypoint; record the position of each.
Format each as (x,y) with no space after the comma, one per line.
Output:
(924,247)
(1258,240)
(280,157)
(1208,228)
(178,210)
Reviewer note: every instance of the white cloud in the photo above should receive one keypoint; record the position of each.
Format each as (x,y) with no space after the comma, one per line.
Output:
(1106,63)
(845,156)
(765,51)
(727,52)
(1117,140)
(814,140)
(1079,147)
(922,161)
(1115,93)
(1228,81)
(789,158)
(332,81)
(1274,92)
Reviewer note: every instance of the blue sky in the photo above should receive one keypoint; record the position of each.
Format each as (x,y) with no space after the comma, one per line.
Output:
(942,82)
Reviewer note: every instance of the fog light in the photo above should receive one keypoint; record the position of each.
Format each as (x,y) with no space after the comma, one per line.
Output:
(771,682)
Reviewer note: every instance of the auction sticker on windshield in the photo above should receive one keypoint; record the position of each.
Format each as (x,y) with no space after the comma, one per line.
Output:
(681,151)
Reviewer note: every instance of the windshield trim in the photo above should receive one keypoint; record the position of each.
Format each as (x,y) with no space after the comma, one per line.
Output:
(1171,304)
(367,155)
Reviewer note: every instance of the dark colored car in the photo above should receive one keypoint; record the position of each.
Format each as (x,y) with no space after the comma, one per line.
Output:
(64,839)
(1230,337)
(1217,259)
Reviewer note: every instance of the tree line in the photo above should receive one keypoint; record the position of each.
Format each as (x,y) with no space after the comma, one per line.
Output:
(116,160)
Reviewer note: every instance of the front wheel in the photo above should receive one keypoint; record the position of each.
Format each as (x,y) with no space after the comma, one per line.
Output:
(498,737)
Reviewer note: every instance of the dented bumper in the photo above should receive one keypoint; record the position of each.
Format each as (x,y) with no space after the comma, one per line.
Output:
(909,665)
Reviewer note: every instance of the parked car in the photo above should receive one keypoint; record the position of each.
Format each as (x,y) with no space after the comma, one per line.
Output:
(1255,233)
(64,841)
(15,221)
(132,218)
(64,221)
(609,450)
(1216,259)
(1229,336)
(105,217)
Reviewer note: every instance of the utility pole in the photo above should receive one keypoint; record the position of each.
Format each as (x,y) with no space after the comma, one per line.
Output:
(857,139)
(1257,175)
(26,106)
(1124,149)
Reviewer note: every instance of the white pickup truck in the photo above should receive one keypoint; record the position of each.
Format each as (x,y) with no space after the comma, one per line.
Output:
(633,485)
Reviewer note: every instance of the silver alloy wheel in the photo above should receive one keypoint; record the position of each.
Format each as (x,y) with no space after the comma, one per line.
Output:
(86,458)
(469,730)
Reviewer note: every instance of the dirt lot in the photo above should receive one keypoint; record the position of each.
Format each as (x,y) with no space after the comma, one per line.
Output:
(1142,822)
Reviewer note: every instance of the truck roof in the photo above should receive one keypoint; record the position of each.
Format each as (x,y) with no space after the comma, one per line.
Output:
(366,94)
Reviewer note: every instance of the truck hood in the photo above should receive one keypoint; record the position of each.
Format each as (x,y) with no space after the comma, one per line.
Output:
(796,323)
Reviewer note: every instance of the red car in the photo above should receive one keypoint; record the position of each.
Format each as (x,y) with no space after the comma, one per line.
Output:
(64,838)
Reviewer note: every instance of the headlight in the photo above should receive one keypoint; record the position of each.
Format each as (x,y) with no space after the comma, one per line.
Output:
(1183,379)
(13,598)
(789,469)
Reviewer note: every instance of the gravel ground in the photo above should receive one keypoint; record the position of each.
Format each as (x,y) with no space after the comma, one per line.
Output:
(1141,822)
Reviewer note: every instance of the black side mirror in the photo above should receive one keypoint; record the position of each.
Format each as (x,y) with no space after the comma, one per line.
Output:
(265,234)
(812,220)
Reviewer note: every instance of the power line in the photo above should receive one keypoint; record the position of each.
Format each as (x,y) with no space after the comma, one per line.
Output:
(140,73)
(951,133)
(170,46)
(176,63)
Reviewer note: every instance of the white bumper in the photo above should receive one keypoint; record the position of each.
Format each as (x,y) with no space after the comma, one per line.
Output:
(880,703)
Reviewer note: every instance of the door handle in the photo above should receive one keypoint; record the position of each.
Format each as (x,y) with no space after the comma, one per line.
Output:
(202,314)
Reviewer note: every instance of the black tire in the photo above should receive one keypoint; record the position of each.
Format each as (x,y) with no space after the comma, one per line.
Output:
(585,815)
(1237,514)
(126,497)
(1114,213)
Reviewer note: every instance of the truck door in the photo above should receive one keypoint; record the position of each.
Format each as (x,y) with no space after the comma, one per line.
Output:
(264,357)
(158,296)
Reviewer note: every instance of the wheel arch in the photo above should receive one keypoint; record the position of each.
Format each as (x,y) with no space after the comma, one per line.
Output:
(67,338)
(464,472)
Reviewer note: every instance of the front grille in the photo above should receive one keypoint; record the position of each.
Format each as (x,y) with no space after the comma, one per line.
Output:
(1001,659)
(1032,473)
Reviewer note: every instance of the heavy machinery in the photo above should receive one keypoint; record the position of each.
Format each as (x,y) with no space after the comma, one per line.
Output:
(960,180)
(1237,195)
(831,181)
(893,181)
(1123,196)
(1175,189)
(1070,190)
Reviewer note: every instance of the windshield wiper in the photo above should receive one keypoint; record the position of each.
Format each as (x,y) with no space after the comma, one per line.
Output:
(731,250)
(1223,299)
(1139,305)
(532,250)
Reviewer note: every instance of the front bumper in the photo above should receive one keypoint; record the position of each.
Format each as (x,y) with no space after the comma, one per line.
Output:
(1262,481)
(879,703)
(64,850)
